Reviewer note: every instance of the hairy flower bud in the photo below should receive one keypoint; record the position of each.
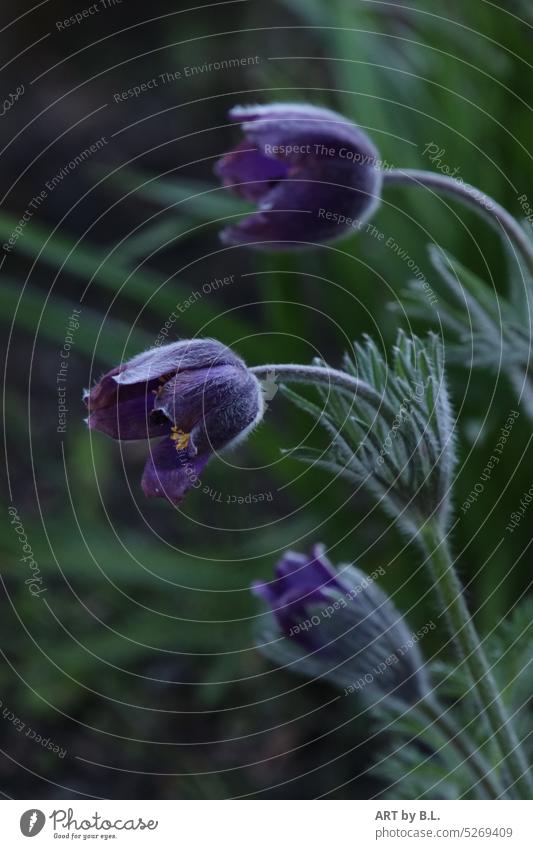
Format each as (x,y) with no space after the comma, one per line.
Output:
(196,393)
(338,624)
(312,173)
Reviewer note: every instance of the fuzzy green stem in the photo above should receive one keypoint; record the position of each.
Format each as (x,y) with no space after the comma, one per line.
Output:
(470,196)
(293,373)
(477,764)
(352,386)
(466,638)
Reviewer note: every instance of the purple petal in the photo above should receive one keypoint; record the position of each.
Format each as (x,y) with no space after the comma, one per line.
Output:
(296,131)
(232,419)
(284,112)
(291,563)
(292,609)
(169,473)
(104,392)
(128,419)
(169,359)
(123,412)
(299,581)
(263,590)
(331,182)
(248,172)
(306,574)
(190,396)
(314,206)
(122,404)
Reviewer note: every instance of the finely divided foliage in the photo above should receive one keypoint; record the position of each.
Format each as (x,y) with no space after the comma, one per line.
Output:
(485,329)
(403,450)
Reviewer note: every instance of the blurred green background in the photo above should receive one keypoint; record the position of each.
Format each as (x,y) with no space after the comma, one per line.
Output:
(139,658)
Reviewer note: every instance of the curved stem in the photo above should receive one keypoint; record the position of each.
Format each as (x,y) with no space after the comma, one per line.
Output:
(465,636)
(292,373)
(469,195)
(479,767)
(296,373)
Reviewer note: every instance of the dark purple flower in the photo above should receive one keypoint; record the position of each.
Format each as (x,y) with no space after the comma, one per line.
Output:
(312,173)
(300,583)
(339,625)
(197,394)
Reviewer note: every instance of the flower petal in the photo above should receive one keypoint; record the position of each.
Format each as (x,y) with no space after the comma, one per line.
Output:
(300,581)
(313,571)
(215,405)
(128,419)
(169,473)
(191,395)
(122,404)
(249,172)
(169,359)
(284,112)
(332,183)
(293,130)
(302,212)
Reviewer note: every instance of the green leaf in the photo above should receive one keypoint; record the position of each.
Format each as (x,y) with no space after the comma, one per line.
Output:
(34,316)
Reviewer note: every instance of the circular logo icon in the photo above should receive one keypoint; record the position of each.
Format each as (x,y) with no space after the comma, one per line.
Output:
(32,822)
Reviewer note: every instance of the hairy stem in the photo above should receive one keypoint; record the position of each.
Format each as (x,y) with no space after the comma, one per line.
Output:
(465,636)
(477,764)
(296,373)
(472,197)
(292,373)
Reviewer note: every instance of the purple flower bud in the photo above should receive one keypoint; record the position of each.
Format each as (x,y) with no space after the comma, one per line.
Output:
(198,394)
(312,173)
(339,625)
(300,582)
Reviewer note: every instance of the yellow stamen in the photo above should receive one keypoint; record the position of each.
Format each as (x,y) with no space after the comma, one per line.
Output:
(180,438)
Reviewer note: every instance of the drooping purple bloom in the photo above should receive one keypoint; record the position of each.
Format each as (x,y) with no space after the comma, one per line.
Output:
(312,173)
(197,394)
(300,583)
(339,625)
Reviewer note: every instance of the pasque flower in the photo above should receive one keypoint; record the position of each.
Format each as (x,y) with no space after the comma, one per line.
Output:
(312,173)
(339,625)
(197,394)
